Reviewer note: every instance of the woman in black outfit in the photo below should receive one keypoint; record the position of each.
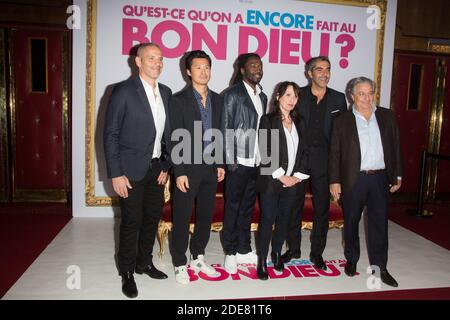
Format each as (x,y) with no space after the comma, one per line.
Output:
(280,173)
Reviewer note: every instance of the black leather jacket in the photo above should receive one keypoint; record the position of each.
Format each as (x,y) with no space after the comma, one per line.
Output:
(239,115)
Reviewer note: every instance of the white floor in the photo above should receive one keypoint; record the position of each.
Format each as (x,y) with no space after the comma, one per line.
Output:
(83,254)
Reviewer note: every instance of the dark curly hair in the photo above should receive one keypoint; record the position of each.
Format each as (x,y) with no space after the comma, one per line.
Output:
(241,61)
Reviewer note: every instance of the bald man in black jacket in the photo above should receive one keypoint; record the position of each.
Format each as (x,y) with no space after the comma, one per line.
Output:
(136,142)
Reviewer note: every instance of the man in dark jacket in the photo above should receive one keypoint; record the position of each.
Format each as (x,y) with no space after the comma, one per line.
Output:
(319,105)
(199,106)
(365,165)
(244,104)
(136,143)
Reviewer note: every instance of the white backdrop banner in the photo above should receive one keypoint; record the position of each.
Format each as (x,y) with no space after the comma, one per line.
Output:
(285,33)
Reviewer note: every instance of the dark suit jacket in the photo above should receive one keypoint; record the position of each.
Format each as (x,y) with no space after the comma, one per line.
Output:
(272,121)
(345,152)
(184,111)
(129,133)
(336,104)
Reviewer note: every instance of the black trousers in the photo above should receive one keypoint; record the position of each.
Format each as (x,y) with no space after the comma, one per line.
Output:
(240,197)
(275,209)
(140,213)
(203,187)
(371,191)
(320,189)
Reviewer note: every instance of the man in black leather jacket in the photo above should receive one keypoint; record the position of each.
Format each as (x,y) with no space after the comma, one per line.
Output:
(244,104)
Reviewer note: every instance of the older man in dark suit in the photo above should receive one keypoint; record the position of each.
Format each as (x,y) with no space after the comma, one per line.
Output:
(136,142)
(365,165)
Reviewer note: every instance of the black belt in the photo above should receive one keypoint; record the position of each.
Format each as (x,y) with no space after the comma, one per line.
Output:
(154,160)
(372,171)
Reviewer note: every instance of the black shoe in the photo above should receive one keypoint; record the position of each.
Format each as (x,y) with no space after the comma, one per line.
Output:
(288,256)
(152,272)
(261,268)
(318,262)
(388,279)
(276,260)
(350,269)
(129,288)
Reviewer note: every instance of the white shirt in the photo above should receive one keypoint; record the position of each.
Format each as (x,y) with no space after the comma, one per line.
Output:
(256,157)
(292,141)
(292,146)
(158,112)
(372,155)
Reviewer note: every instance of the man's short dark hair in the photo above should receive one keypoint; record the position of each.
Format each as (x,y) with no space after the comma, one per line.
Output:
(311,63)
(195,54)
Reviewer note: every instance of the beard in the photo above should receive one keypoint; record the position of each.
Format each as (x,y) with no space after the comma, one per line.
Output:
(253,79)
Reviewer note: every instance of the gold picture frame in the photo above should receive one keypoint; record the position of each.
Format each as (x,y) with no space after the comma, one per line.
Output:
(3,121)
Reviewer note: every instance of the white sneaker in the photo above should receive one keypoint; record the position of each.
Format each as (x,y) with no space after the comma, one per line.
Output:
(231,264)
(200,265)
(181,275)
(250,257)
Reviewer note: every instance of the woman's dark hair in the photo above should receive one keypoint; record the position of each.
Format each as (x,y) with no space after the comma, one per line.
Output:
(280,90)
(241,61)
